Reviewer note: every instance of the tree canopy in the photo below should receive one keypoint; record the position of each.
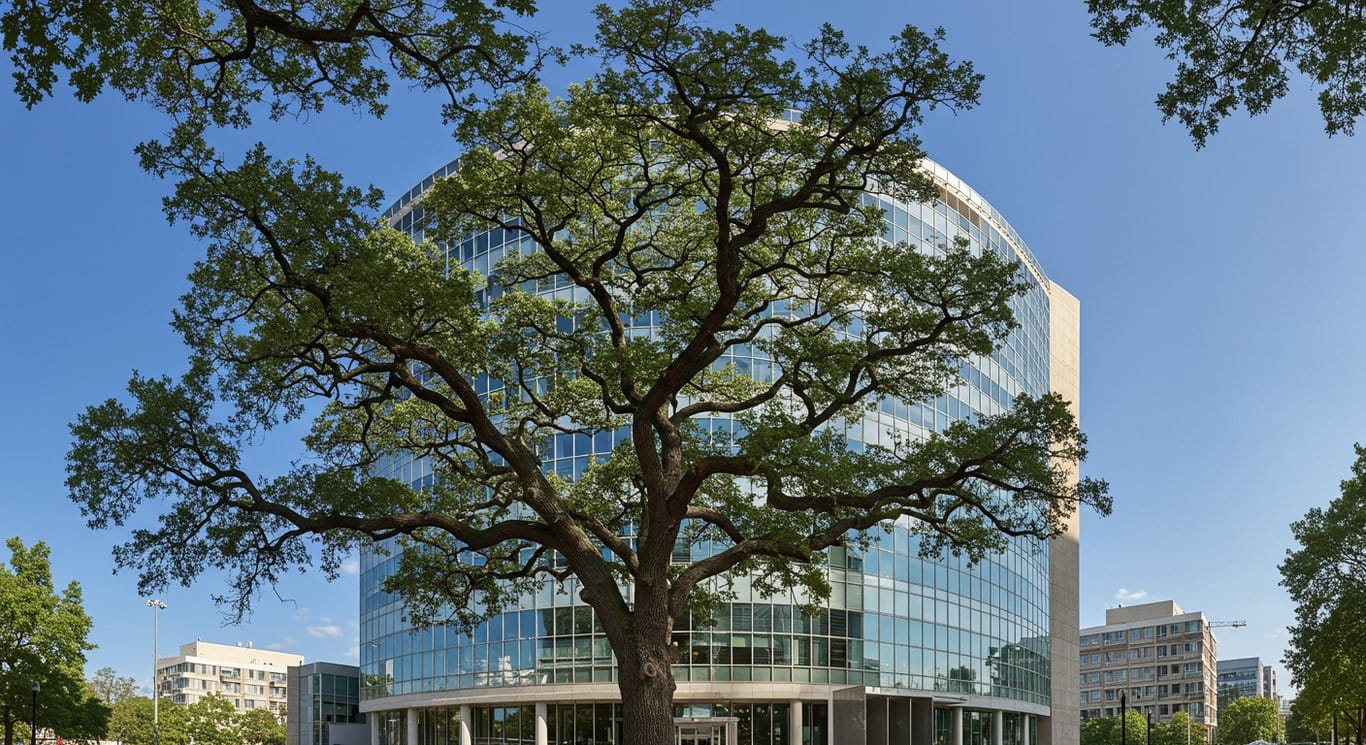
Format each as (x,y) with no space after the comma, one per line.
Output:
(110,687)
(212,719)
(130,722)
(1326,578)
(1301,727)
(671,220)
(217,62)
(1176,731)
(1248,719)
(1233,54)
(259,727)
(43,641)
(1108,730)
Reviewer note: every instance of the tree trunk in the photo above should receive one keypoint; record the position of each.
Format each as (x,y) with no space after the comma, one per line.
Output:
(9,728)
(644,676)
(647,703)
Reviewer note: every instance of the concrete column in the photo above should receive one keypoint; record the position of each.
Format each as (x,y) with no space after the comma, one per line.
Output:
(956,726)
(998,727)
(412,727)
(794,722)
(466,726)
(830,725)
(732,732)
(374,727)
(542,729)
(1026,729)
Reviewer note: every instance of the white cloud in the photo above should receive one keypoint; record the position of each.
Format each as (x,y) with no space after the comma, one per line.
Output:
(1126,595)
(325,631)
(351,566)
(353,653)
(287,642)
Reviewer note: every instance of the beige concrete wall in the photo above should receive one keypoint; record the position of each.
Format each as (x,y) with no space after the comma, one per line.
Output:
(1144,612)
(1064,725)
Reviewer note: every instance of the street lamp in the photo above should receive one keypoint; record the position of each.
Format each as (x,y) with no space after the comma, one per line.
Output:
(155,605)
(1123,719)
(33,715)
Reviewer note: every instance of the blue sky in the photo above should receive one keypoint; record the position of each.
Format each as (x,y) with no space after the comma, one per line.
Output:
(1220,289)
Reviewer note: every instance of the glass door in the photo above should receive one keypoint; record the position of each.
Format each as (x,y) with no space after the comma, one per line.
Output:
(700,734)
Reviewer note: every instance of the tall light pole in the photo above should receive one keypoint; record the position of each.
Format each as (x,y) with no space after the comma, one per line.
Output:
(155,605)
(33,715)
(1123,720)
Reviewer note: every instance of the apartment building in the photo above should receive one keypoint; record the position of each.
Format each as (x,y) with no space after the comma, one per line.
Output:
(248,677)
(1157,657)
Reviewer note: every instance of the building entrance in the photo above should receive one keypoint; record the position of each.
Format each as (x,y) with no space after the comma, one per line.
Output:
(705,731)
(700,735)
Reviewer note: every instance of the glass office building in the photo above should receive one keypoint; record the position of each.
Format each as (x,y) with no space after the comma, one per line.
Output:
(907,649)
(324,705)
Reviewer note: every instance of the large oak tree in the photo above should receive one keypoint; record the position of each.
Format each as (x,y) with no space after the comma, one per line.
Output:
(671,215)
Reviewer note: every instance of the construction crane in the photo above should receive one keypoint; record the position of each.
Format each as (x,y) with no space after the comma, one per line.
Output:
(1234,624)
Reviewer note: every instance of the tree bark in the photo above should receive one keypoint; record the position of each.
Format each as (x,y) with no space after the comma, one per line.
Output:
(644,674)
(647,710)
(9,728)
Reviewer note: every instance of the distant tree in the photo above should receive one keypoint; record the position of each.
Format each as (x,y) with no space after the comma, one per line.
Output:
(212,720)
(1331,687)
(1227,693)
(1107,730)
(131,722)
(1326,578)
(1302,727)
(109,687)
(1330,563)
(259,727)
(43,640)
(1174,731)
(1246,720)
(1233,54)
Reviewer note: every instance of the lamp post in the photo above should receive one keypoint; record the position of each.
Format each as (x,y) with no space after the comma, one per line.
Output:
(155,605)
(1123,719)
(33,715)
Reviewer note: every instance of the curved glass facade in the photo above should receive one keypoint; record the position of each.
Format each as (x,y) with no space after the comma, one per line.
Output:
(894,621)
